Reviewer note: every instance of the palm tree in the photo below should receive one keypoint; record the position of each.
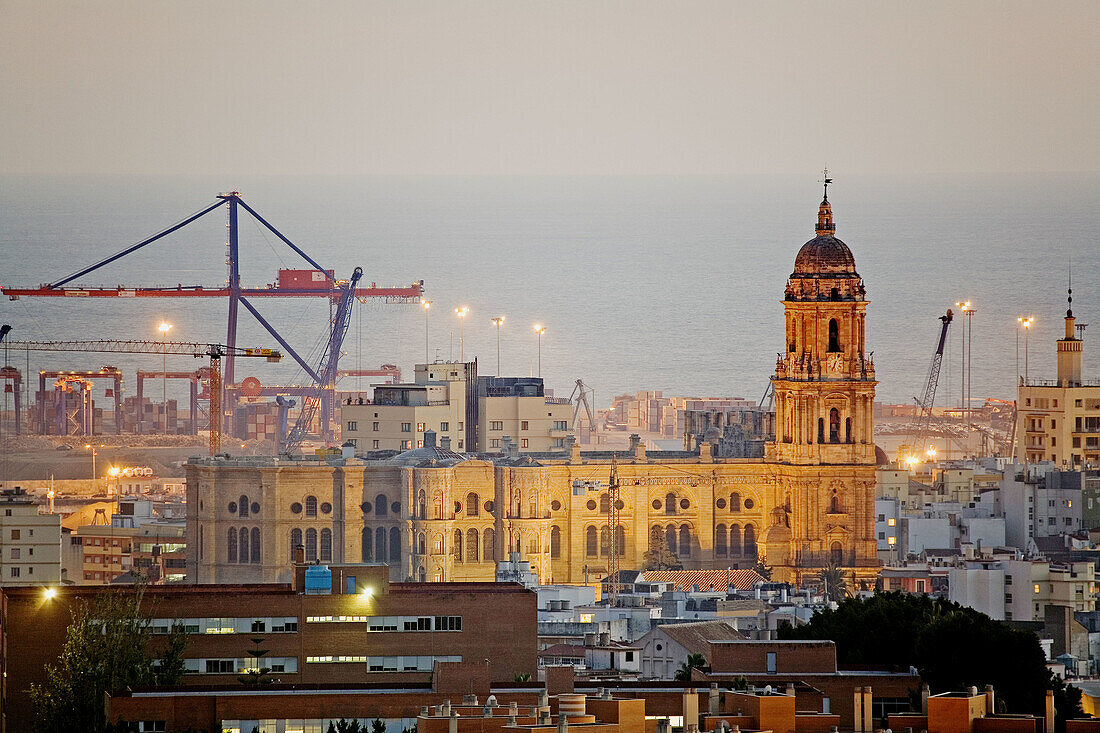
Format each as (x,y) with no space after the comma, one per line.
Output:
(836,587)
(694,661)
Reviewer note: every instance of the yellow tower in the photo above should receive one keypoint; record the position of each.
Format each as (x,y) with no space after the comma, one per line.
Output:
(824,390)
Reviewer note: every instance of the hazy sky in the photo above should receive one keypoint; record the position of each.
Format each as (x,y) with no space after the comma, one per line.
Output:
(548,86)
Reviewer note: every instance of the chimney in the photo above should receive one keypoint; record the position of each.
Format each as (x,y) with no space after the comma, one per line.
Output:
(713,700)
(1048,717)
(790,689)
(452,722)
(347,450)
(924,693)
(639,452)
(989,707)
(705,454)
(429,439)
(445,442)
(635,441)
(605,638)
(299,554)
(857,711)
(868,725)
(575,453)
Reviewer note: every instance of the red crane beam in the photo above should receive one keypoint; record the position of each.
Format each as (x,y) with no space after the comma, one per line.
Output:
(410,292)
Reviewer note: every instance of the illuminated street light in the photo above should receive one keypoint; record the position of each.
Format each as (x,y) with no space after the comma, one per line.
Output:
(461,312)
(427,307)
(1026,322)
(49,594)
(498,322)
(164,328)
(969,311)
(540,330)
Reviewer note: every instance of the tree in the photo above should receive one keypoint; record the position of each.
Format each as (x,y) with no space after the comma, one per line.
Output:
(521,677)
(764,571)
(836,588)
(347,726)
(659,556)
(257,674)
(952,647)
(378,726)
(106,648)
(694,661)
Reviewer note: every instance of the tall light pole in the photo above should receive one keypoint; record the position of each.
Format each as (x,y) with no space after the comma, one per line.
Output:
(164,328)
(461,312)
(969,311)
(498,322)
(91,447)
(1026,322)
(540,330)
(427,307)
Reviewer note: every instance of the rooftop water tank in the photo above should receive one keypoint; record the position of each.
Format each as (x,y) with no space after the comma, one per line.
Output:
(318,580)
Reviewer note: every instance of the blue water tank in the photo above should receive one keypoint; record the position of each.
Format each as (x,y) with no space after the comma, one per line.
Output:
(318,580)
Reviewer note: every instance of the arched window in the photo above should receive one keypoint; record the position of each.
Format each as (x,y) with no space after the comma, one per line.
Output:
(685,541)
(735,502)
(242,546)
(381,505)
(488,538)
(605,541)
(420,544)
(834,294)
(847,430)
(620,540)
(750,540)
(590,542)
(720,540)
(326,545)
(555,541)
(834,336)
(670,538)
(533,508)
(670,503)
(421,574)
(438,507)
(380,544)
(821,430)
(456,548)
(311,545)
(311,506)
(231,545)
(836,554)
(242,507)
(533,545)
(255,545)
(395,546)
(473,546)
(296,541)
(368,544)
(735,540)
(834,425)
(473,505)
(422,505)
(605,503)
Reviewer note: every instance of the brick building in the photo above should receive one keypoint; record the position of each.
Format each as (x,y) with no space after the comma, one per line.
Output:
(365,630)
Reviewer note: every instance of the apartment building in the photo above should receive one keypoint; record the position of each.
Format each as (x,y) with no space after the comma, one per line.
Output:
(30,542)
(139,540)
(468,413)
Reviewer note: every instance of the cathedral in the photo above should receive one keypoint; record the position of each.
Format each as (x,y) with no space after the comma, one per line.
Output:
(432,514)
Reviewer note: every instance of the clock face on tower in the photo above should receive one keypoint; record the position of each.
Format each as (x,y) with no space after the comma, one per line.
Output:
(835,362)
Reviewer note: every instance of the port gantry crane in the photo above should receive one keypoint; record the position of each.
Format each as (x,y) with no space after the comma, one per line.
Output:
(318,282)
(214,352)
(917,447)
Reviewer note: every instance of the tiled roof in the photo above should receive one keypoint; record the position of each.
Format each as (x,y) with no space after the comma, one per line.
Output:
(563,650)
(705,580)
(696,637)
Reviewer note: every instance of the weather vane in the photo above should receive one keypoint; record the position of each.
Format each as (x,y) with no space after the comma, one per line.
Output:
(826,180)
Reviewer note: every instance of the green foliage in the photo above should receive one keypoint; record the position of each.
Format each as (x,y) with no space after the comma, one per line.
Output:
(836,587)
(378,726)
(694,661)
(763,570)
(106,648)
(953,647)
(658,556)
(349,726)
(521,677)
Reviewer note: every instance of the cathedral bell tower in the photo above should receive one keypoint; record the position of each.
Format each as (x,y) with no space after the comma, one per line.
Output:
(824,381)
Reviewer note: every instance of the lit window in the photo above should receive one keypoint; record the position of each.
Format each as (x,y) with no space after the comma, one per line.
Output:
(586,618)
(891,522)
(1036,587)
(420,427)
(891,541)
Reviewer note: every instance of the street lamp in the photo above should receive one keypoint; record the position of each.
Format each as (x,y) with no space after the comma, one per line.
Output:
(969,311)
(461,313)
(427,307)
(164,328)
(88,446)
(540,330)
(498,322)
(1026,322)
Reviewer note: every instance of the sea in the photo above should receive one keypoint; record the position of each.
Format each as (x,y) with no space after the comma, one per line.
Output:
(642,283)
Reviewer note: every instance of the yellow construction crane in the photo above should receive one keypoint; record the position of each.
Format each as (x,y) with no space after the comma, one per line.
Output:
(214,352)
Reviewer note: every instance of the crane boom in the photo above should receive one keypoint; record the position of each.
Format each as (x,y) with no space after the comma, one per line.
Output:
(924,419)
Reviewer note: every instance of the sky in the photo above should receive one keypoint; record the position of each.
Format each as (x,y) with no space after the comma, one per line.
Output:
(547,87)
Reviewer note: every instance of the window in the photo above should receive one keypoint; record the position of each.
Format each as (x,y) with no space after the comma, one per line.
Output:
(15,572)
(406,444)
(374,427)
(561,425)
(15,553)
(295,541)
(374,444)
(311,544)
(444,427)
(670,503)
(406,427)
(242,507)
(242,546)
(524,443)
(221,666)
(555,542)
(15,534)
(231,545)
(420,427)
(473,504)
(311,506)
(494,442)
(590,546)
(523,425)
(770,663)
(735,502)
(353,425)
(496,425)
(448,623)
(326,545)
(720,540)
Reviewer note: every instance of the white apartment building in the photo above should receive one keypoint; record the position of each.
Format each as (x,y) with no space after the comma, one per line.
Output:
(30,543)
(468,413)
(1008,588)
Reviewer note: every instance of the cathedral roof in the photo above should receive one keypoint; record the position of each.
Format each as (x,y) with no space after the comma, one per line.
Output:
(825,255)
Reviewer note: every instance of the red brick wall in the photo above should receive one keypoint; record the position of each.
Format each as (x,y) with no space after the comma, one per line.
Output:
(741,657)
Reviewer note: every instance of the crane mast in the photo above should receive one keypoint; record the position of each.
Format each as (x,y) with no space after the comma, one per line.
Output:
(924,419)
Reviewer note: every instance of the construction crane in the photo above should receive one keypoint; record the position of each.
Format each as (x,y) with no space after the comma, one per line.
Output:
(326,375)
(613,526)
(316,282)
(579,397)
(919,437)
(214,352)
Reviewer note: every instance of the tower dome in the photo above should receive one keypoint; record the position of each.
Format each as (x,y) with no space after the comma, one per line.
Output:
(825,255)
